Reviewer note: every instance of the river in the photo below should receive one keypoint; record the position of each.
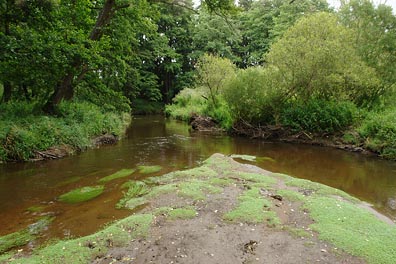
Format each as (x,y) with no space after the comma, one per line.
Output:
(153,140)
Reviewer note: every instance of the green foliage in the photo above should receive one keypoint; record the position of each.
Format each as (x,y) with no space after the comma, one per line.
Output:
(375,28)
(212,74)
(251,96)
(145,107)
(81,194)
(317,58)
(214,34)
(187,102)
(25,130)
(378,131)
(221,113)
(318,115)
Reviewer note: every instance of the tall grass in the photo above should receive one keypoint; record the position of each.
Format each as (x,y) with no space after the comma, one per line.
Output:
(25,130)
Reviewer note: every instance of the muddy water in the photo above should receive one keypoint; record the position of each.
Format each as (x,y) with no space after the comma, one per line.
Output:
(155,141)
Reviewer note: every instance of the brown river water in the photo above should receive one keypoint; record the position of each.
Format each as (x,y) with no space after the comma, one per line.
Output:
(154,140)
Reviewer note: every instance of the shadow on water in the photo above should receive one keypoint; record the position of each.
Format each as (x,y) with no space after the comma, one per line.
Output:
(156,141)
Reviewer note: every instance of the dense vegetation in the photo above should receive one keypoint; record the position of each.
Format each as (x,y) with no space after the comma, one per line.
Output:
(324,73)
(296,64)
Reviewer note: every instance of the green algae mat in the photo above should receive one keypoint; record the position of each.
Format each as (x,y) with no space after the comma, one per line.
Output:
(81,194)
(230,200)
(119,174)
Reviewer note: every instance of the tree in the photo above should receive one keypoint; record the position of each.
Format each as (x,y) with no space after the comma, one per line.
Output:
(375,37)
(212,74)
(266,20)
(216,35)
(317,58)
(174,67)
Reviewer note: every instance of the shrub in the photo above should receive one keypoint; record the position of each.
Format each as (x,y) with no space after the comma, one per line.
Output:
(251,97)
(24,130)
(221,114)
(187,102)
(317,115)
(379,132)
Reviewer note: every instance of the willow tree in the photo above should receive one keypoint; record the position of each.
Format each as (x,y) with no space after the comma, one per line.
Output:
(317,57)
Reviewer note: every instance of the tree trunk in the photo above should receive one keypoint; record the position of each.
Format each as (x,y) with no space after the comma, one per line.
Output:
(7,92)
(64,89)
(7,86)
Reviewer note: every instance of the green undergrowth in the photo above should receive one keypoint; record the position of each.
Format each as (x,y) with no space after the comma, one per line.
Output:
(24,236)
(171,213)
(149,169)
(24,129)
(378,132)
(81,250)
(119,174)
(253,208)
(81,194)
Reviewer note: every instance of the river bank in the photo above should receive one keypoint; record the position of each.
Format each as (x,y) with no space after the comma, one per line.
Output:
(284,134)
(27,134)
(225,211)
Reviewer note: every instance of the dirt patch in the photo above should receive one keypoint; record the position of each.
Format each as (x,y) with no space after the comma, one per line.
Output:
(61,151)
(204,124)
(107,139)
(56,152)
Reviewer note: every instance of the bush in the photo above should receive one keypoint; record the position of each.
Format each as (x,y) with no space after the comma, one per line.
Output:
(378,130)
(221,114)
(317,115)
(24,131)
(251,97)
(187,102)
